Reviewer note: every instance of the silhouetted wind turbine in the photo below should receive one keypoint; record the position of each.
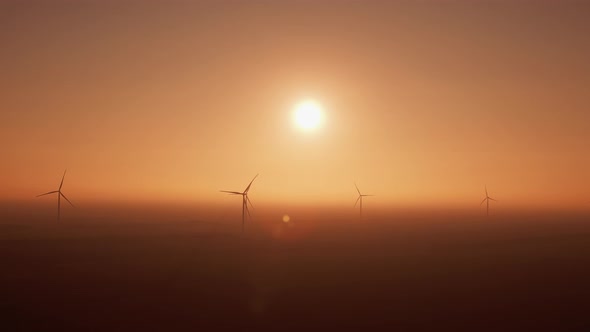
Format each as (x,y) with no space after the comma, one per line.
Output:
(59,196)
(487,200)
(360,198)
(245,200)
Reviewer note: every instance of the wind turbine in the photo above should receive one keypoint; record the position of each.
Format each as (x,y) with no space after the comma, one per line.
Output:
(360,198)
(59,196)
(487,200)
(245,200)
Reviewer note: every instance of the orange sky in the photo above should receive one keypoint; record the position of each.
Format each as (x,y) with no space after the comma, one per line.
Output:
(425,101)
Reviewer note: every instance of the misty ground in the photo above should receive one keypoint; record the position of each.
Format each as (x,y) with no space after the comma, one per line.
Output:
(447,274)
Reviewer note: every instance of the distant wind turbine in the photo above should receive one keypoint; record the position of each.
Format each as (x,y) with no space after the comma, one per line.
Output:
(360,198)
(59,196)
(245,200)
(487,200)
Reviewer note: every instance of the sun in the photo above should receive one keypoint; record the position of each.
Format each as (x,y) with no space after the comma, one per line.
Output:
(308,114)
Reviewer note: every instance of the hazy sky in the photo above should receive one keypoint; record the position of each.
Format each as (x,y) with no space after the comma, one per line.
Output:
(425,101)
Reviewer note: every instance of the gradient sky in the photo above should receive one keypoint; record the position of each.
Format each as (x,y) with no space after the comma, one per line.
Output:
(425,101)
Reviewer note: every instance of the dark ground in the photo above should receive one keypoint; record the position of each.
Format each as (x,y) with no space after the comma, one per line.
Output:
(470,275)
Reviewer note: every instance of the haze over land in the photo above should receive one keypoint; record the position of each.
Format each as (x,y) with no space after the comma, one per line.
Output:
(446,274)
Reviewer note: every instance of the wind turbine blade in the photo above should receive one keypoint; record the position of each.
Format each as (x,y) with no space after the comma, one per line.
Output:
(486,187)
(357,200)
(367,195)
(51,192)
(357,188)
(231,192)
(248,200)
(62,179)
(491,199)
(64,196)
(483,201)
(248,211)
(248,187)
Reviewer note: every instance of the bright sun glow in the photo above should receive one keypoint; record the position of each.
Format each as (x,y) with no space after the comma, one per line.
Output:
(308,114)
